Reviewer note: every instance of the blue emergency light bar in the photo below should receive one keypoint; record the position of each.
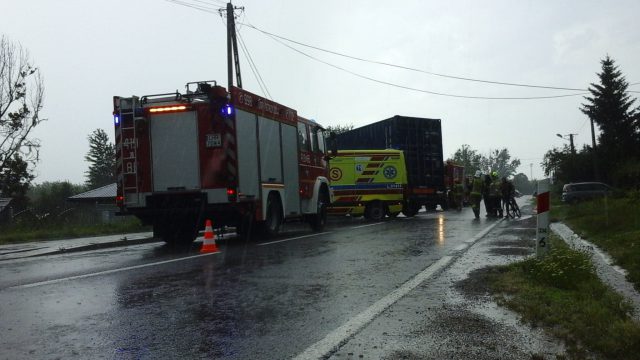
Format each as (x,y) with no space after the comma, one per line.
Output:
(227,110)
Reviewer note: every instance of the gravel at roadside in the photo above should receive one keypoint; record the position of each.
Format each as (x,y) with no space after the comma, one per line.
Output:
(452,316)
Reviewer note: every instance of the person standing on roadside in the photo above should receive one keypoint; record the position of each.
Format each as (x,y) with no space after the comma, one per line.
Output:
(477,186)
(507,189)
(486,190)
(458,193)
(494,195)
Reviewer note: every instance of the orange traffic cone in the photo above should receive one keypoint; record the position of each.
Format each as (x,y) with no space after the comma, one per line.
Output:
(209,242)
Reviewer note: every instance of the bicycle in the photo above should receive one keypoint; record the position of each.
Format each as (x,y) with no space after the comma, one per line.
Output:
(512,209)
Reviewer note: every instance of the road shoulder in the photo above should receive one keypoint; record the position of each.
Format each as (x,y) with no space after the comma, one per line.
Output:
(453,316)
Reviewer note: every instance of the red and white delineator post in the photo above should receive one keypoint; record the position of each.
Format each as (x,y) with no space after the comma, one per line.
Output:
(542,230)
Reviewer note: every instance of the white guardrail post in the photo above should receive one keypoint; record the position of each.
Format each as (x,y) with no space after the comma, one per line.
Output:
(542,230)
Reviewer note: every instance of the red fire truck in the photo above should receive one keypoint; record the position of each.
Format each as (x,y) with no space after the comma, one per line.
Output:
(452,172)
(233,157)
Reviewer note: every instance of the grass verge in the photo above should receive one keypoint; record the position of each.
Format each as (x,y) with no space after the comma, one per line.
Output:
(563,294)
(52,232)
(611,223)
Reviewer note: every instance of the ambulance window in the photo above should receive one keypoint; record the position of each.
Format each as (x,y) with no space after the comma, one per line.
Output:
(303,139)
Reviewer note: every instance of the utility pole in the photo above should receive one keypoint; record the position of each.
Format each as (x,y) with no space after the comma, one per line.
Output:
(573,149)
(531,171)
(232,46)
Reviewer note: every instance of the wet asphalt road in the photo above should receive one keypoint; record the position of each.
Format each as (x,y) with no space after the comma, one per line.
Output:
(259,300)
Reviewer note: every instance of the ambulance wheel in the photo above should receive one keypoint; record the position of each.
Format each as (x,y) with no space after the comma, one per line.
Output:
(273,217)
(375,211)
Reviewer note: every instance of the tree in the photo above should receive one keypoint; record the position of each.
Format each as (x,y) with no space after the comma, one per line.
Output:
(15,179)
(102,160)
(500,162)
(521,183)
(21,99)
(51,197)
(339,129)
(566,167)
(469,158)
(610,108)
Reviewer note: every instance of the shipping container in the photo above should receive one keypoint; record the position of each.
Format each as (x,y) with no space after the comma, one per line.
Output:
(421,141)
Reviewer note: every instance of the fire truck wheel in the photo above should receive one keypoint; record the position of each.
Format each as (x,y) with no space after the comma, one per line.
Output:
(319,220)
(177,234)
(375,211)
(271,225)
(245,227)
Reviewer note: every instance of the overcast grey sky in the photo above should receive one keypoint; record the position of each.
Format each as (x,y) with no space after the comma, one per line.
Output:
(89,51)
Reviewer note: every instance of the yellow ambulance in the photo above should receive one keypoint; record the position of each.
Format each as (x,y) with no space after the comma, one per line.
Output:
(368,182)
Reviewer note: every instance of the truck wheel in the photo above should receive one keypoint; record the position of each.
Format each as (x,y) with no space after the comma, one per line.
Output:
(245,227)
(375,211)
(176,233)
(410,209)
(273,219)
(319,220)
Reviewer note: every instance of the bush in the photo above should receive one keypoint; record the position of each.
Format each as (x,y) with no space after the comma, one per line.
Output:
(562,268)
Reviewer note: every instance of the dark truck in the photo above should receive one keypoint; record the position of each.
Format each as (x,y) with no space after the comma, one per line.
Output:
(421,141)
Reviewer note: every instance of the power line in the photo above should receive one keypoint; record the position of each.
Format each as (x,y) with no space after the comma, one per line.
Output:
(219,2)
(421,90)
(193,6)
(410,68)
(277,38)
(209,3)
(253,66)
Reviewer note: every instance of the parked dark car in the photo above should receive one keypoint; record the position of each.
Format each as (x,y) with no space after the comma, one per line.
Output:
(575,192)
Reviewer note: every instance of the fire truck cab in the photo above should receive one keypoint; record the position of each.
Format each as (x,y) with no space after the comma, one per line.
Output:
(233,157)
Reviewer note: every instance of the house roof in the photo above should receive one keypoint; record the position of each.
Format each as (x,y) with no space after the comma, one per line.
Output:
(101,193)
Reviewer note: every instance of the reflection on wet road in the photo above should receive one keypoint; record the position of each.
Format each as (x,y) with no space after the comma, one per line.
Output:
(265,299)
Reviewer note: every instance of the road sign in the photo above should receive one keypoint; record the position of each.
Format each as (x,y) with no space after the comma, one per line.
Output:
(542,230)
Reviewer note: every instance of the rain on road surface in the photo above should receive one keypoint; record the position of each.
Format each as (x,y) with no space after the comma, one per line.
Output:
(260,300)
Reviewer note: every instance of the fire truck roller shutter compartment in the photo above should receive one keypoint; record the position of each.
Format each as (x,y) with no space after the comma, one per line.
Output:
(246,128)
(174,150)
(270,155)
(290,167)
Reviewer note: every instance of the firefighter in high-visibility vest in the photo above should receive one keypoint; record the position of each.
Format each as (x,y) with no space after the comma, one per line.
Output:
(458,193)
(495,195)
(476,193)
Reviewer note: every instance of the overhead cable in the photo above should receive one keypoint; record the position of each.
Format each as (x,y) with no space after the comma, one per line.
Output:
(253,66)
(410,68)
(421,90)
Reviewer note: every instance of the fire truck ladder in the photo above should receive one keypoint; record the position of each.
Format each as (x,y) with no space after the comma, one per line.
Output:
(129,162)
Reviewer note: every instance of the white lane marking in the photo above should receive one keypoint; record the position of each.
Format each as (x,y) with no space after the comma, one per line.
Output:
(339,336)
(293,238)
(361,226)
(106,272)
(460,247)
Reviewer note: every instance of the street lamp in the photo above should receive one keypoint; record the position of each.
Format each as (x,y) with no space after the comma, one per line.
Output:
(573,149)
